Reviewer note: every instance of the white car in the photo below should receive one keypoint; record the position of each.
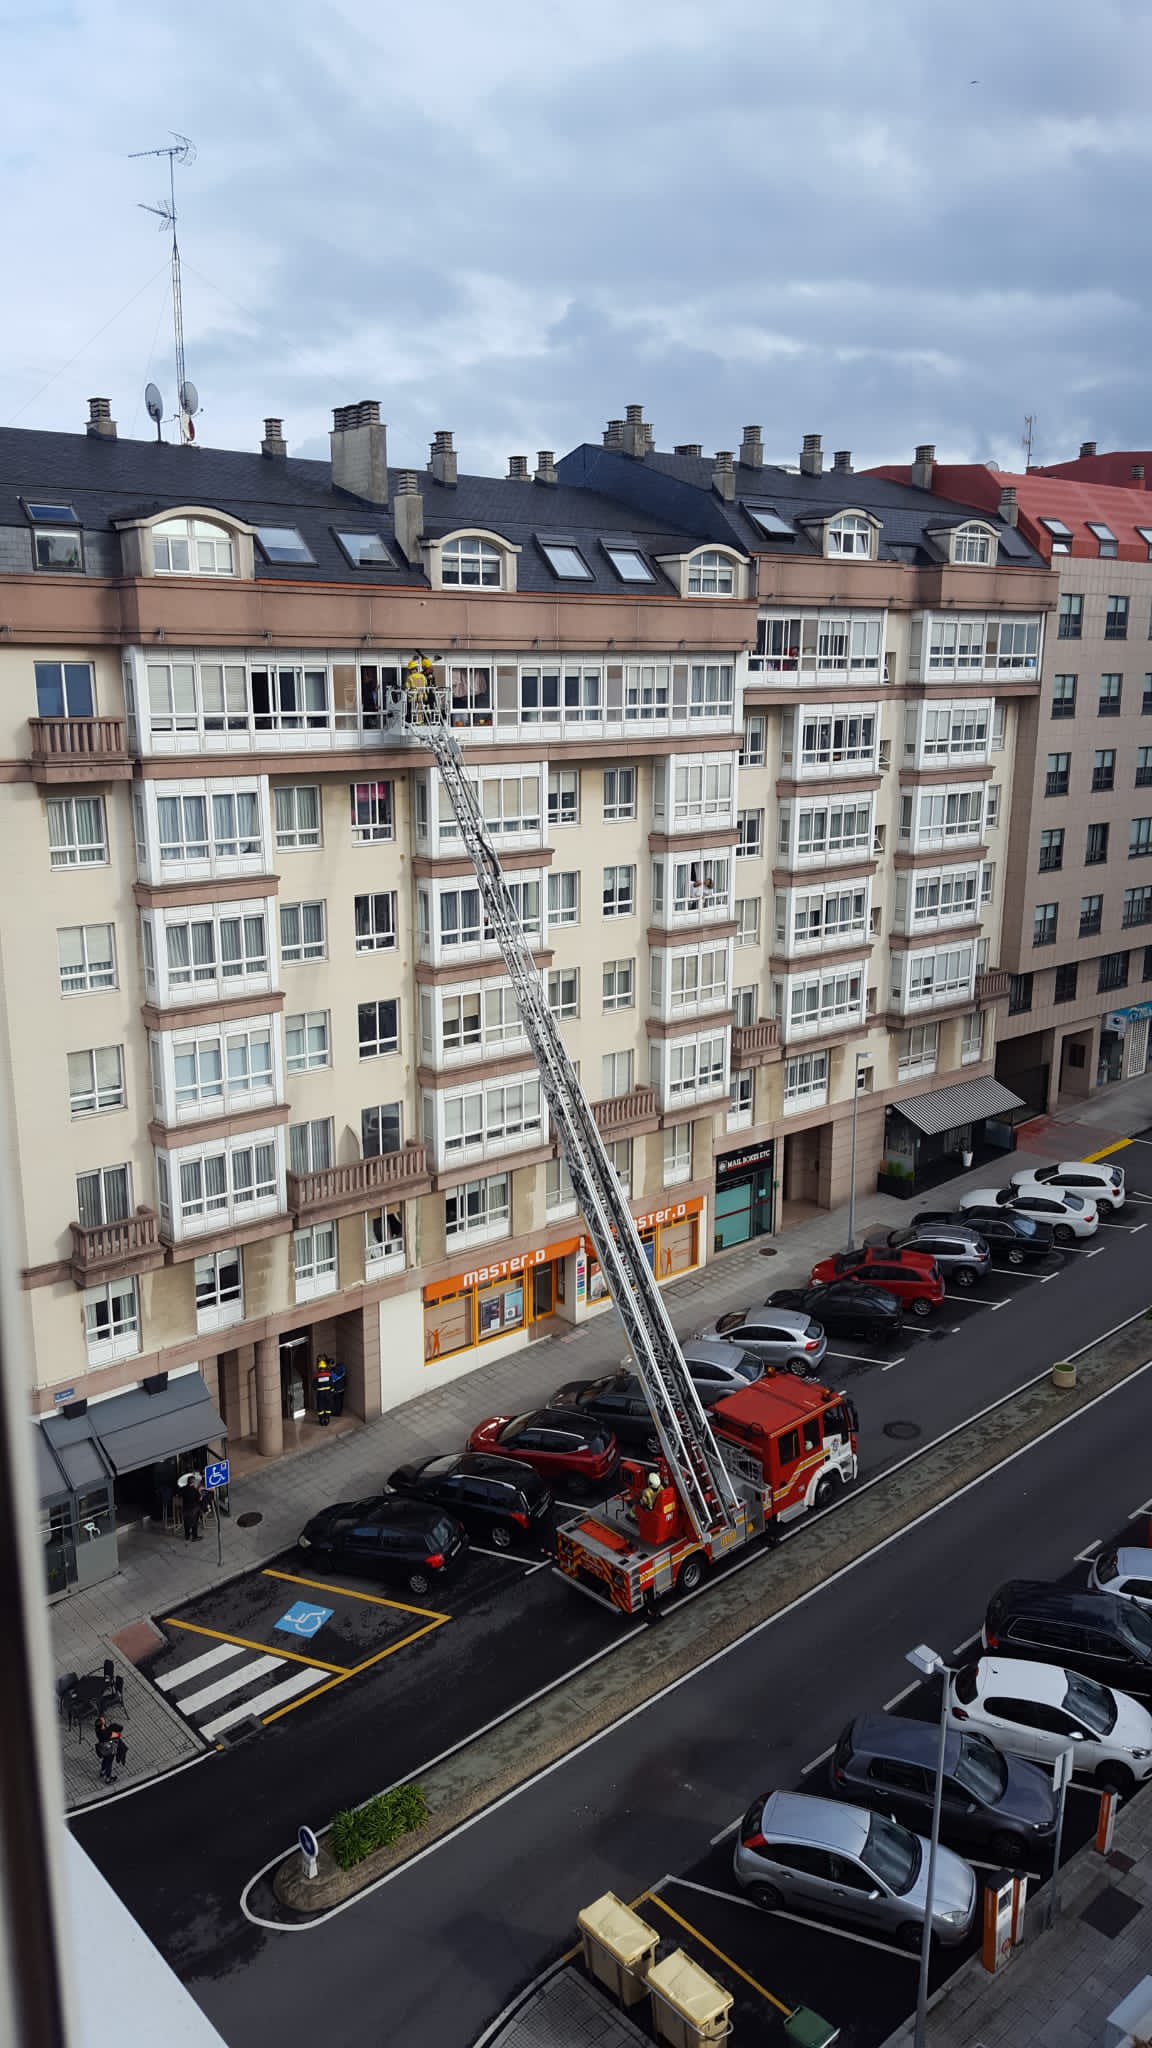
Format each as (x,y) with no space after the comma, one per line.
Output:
(1035,1710)
(1071,1216)
(1099,1183)
(1127,1572)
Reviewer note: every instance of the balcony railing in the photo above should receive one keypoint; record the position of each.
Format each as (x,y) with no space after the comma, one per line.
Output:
(993,983)
(339,1190)
(753,1044)
(79,750)
(623,1112)
(104,1251)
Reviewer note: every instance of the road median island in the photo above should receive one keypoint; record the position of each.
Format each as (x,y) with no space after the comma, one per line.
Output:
(532,1737)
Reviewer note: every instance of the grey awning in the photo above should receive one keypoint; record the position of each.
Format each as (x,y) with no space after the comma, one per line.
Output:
(138,1428)
(75,1451)
(51,1484)
(942,1109)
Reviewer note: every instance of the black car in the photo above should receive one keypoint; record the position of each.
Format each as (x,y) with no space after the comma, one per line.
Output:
(1015,1239)
(1097,1633)
(385,1538)
(846,1310)
(499,1500)
(1000,1803)
(618,1401)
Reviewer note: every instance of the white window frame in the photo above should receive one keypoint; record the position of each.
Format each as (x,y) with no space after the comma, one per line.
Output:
(805,1081)
(373,811)
(483,1210)
(219,1298)
(677,1154)
(971,1038)
(314,1261)
(380,1045)
(617,1074)
(96,1096)
(311,1146)
(740,1100)
(564,992)
(93,972)
(819,1002)
(234,1180)
(559,1194)
(917,1050)
(748,920)
(312,1031)
(619,890)
(384,1240)
(972,545)
(711,574)
(753,740)
(850,536)
(750,826)
(192,547)
(303,821)
(563,796)
(563,897)
(120,1301)
(375,938)
(491,1119)
(297,950)
(618,985)
(621,803)
(70,846)
(468,553)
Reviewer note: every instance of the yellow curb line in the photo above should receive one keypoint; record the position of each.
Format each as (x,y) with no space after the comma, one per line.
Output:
(1090,1158)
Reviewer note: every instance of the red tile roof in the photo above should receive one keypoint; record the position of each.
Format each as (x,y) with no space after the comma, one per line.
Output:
(1040,495)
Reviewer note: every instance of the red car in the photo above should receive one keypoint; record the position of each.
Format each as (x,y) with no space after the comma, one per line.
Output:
(556,1442)
(913,1277)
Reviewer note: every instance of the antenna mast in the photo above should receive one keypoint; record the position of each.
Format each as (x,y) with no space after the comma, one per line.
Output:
(1029,436)
(179,151)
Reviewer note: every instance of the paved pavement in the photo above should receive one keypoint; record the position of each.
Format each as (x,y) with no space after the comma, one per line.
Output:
(158,1572)
(155,1736)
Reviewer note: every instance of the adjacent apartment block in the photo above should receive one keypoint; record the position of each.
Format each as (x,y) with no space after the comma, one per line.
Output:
(1077,931)
(745,738)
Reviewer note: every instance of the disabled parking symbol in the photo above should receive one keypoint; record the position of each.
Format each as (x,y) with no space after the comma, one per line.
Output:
(304,1620)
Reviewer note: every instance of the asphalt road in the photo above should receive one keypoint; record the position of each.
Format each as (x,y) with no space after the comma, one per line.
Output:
(180,1852)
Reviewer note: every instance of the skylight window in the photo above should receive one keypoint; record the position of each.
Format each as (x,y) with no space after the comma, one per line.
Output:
(564,559)
(629,564)
(1145,533)
(1061,535)
(43,513)
(1106,538)
(364,550)
(770,522)
(283,544)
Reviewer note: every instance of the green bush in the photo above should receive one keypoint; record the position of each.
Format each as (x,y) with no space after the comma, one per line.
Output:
(362,1829)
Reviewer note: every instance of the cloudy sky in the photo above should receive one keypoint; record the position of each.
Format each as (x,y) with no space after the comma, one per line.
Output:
(888,222)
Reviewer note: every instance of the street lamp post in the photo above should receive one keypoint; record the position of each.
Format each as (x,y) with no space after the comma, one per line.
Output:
(852,1171)
(927,1662)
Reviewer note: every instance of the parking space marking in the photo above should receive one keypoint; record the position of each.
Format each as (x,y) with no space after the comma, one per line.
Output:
(847,1934)
(853,1357)
(1044,1278)
(1086,1555)
(727,1961)
(217,1635)
(369,1599)
(898,1696)
(1093,1254)
(1134,1195)
(969,1643)
(817,1760)
(1145,1508)
(504,1556)
(893,1362)
(973,1300)
(725,1832)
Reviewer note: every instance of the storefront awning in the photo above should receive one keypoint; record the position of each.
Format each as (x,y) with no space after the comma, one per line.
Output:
(74,1452)
(51,1484)
(942,1109)
(139,1428)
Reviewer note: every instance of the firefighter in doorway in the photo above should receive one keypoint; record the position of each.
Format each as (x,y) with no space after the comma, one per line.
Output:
(420,680)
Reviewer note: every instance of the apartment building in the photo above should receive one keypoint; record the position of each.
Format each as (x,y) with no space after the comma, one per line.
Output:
(1077,932)
(744,737)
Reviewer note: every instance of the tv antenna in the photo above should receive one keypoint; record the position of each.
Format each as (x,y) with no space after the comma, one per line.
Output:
(181,150)
(1028,437)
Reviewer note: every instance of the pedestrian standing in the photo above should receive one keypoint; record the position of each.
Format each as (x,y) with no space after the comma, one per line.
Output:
(192,1507)
(106,1751)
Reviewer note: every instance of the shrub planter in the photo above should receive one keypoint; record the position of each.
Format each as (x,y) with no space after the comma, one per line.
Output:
(1063,1375)
(359,1847)
(899,1184)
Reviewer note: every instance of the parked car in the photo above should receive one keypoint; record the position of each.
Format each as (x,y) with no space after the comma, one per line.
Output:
(846,1310)
(558,1443)
(1018,1240)
(959,1250)
(822,1856)
(1126,1572)
(385,1538)
(990,1802)
(498,1500)
(617,1402)
(1101,1183)
(716,1367)
(1104,1637)
(1036,1710)
(916,1281)
(772,1334)
(1069,1215)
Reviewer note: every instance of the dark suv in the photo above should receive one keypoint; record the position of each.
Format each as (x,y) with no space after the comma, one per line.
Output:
(1015,1239)
(961,1253)
(1096,1633)
(498,1500)
(990,1801)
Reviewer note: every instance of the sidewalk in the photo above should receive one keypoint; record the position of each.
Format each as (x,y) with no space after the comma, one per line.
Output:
(158,1572)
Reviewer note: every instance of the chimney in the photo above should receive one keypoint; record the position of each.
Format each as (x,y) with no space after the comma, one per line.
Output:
(689,448)
(442,461)
(408,516)
(1087,448)
(360,451)
(811,460)
(274,446)
(614,434)
(100,421)
(517,469)
(923,466)
(546,467)
(842,462)
(723,475)
(1008,508)
(752,449)
(1137,472)
(637,437)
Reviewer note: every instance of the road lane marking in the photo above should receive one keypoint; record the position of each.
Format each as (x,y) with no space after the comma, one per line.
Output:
(898,1696)
(231,1682)
(270,1697)
(769,1996)
(488,1812)
(196,1665)
(1086,1555)
(817,1760)
(1091,1158)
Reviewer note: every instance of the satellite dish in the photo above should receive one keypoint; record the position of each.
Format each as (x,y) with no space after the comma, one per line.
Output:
(154,403)
(189,398)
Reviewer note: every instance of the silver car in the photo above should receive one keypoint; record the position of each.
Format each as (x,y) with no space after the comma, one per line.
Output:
(716,1369)
(776,1336)
(818,1856)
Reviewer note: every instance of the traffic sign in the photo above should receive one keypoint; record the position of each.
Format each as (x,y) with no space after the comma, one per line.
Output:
(309,1848)
(216,1475)
(303,1619)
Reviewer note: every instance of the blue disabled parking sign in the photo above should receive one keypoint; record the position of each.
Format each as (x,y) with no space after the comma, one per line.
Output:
(303,1619)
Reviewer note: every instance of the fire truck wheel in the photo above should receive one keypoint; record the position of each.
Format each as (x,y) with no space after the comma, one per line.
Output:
(827,1490)
(766,1895)
(691,1573)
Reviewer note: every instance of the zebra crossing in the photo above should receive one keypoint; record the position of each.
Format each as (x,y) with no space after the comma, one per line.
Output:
(252,1682)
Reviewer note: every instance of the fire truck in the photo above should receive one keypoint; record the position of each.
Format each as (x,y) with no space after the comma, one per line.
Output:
(777,1449)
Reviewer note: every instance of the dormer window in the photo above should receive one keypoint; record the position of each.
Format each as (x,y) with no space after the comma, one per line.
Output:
(850,535)
(191,547)
(1106,540)
(471,564)
(1060,535)
(711,574)
(972,545)
(56,542)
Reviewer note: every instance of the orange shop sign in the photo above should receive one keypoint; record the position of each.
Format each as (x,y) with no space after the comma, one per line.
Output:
(501,1269)
(676,1212)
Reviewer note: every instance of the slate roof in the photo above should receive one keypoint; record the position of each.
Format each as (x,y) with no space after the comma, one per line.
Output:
(671,486)
(107,480)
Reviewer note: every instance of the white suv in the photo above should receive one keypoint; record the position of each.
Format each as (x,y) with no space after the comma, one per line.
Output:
(1127,1571)
(1071,1216)
(1098,1183)
(1036,1710)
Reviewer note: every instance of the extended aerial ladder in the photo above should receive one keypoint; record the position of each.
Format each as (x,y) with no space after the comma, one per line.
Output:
(697,1469)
